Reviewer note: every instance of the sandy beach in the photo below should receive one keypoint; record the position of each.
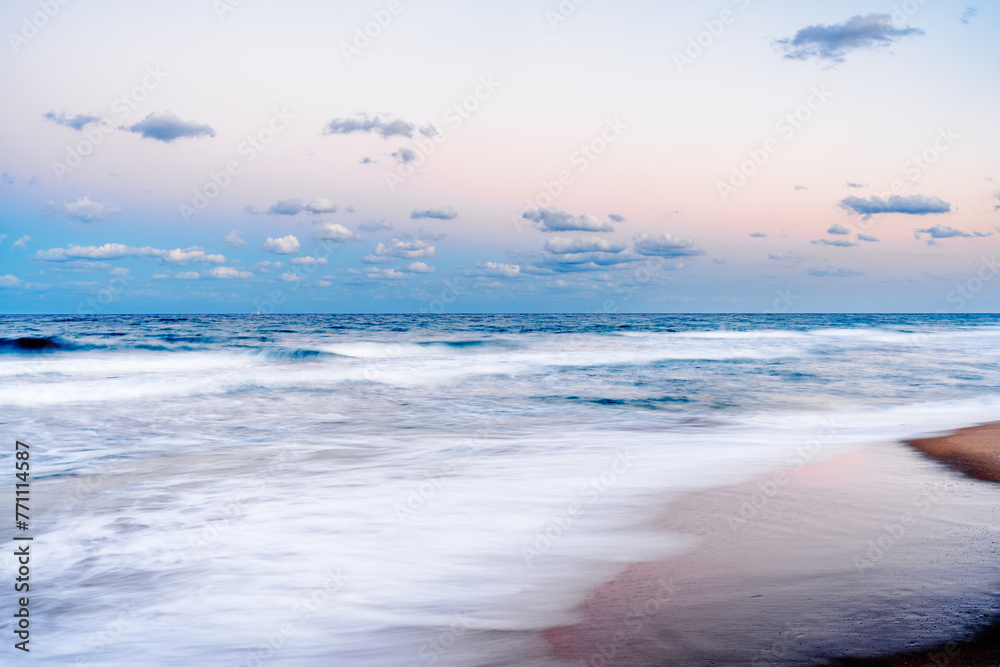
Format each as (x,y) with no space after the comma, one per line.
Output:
(881,552)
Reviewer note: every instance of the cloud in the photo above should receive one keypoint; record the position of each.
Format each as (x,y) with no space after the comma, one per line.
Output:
(166,127)
(188,275)
(286,245)
(866,237)
(833,42)
(758,235)
(834,272)
(912,205)
(391,274)
(21,242)
(499,270)
(286,207)
(329,231)
(290,277)
(106,251)
(945,232)
(420,267)
(368,124)
(9,281)
(853,185)
(84,209)
(375,225)
(839,230)
(996,195)
(555,219)
(76,122)
(438,212)
(317,206)
(801,187)
(785,257)
(194,254)
(234,239)
(404,156)
(265,267)
(398,249)
(614,217)
(310,261)
(969,14)
(665,245)
(561,246)
(227,272)
(840,243)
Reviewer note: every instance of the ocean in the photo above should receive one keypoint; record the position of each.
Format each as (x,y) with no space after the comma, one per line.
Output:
(416,490)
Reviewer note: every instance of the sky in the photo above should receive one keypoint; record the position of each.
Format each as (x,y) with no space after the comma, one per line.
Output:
(437,156)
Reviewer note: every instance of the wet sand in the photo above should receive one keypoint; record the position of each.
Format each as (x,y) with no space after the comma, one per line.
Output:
(873,553)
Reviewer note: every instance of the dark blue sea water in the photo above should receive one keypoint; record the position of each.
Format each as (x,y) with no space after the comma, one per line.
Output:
(362,490)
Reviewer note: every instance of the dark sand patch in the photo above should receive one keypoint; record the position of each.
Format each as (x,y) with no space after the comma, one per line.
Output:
(877,552)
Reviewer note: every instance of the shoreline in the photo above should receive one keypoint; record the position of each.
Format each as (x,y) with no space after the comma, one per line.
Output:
(876,558)
(973,451)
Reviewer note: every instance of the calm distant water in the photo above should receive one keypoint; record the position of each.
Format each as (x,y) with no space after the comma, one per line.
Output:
(376,490)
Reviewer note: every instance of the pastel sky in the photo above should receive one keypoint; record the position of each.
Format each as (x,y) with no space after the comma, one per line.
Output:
(525,156)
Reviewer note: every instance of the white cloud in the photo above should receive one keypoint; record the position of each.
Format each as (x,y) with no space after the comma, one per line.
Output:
(234,239)
(188,275)
(438,212)
(554,219)
(563,246)
(321,206)
(106,251)
(290,277)
(420,267)
(664,245)
(286,245)
(21,242)
(502,270)
(395,248)
(225,272)
(9,281)
(391,274)
(84,209)
(329,231)
(267,266)
(194,254)
(310,261)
